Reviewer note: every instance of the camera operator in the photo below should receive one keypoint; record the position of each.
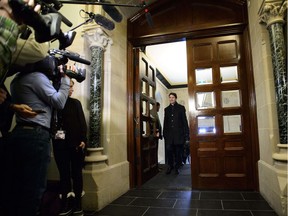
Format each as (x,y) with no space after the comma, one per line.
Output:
(28,51)
(8,42)
(9,32)
(28,147)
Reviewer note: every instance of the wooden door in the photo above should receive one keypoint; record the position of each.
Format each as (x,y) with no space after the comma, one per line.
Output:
(144,102)
(221,145)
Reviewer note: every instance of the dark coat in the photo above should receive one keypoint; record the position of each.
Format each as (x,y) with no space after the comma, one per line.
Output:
(72,121)
(176,128)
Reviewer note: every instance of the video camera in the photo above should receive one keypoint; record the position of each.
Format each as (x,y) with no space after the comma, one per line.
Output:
(59,57)
(47,24)
(49,66)
(47,27)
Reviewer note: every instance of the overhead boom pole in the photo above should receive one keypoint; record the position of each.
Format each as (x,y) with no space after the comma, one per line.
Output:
(100,3)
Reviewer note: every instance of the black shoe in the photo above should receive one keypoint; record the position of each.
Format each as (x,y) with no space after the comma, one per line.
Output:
(177,171)
(78,212)
(77,208)
(65,211)
(169,170)
(66,207)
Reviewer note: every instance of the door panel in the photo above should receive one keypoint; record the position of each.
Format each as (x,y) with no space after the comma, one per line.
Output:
(144,101)
(221,146)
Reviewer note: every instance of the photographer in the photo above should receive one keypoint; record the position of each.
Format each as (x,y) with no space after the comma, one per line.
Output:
(28,149)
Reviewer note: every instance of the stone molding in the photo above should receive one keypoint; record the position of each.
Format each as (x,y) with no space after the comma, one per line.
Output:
(272,11)
(97,37)
(281,155)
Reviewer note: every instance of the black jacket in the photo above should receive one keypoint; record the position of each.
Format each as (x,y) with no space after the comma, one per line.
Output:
(176,128)
(72,121)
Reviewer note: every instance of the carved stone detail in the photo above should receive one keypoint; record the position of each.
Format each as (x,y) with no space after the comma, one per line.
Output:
(97,37)
(272,12)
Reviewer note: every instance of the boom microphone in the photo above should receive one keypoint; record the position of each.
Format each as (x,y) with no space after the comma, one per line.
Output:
(147,14)
(101,20)
(104,22)
(112,12)
(148,18)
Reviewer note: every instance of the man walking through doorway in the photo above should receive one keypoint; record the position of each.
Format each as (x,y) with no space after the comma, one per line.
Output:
(176,132)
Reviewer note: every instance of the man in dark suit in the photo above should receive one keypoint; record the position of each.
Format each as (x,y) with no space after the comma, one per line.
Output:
(176,132)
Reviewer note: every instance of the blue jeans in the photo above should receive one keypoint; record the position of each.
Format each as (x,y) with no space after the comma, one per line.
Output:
(26,162)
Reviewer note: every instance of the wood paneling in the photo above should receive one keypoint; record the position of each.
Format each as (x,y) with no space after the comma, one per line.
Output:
(186,16)
(221,160)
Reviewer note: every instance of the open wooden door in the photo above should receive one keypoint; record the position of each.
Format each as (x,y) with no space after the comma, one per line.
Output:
(144,101)
(220,133)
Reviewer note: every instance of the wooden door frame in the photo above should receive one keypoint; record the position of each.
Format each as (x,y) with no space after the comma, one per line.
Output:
(177,35)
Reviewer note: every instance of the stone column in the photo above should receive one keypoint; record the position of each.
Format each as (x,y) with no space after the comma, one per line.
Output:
(273,179)
(97,41)
(272,14)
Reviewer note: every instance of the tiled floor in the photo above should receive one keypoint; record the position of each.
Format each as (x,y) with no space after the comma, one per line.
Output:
(171,195)
(181,203)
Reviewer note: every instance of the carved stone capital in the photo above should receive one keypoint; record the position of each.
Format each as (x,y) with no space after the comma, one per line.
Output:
(97,37)
(272,11)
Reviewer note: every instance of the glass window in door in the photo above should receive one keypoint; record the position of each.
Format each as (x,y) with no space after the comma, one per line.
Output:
(206,124)
(230,98)
(203,76)
(205,100)
(229,74)
(232,123)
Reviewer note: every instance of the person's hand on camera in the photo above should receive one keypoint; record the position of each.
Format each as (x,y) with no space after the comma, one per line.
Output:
(62,70)
(3,95)
(23,110)
(72,68)
(6,10)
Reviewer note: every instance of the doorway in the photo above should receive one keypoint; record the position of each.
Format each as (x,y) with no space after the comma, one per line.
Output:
(215,155)
(170,60)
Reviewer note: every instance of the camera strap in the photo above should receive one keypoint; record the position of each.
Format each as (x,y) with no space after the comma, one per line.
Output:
(56,121)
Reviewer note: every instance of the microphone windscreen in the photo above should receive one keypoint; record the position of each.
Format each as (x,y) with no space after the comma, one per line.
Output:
(112,12)
(149,18)
(104,22)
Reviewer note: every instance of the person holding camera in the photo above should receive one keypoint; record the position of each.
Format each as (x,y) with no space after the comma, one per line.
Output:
(12,50)
(68,145)
(28,147)
(28,51)
(9,31)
